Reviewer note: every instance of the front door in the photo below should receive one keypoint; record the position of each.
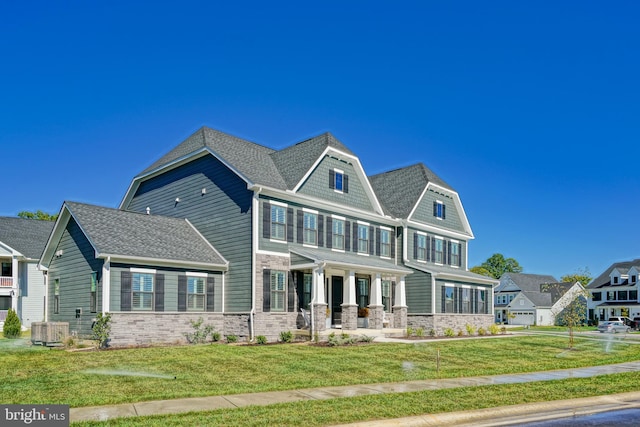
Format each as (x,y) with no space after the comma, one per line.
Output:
(336,300)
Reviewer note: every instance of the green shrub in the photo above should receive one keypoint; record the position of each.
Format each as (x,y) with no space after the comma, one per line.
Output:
(420,332)
(366,338)
(286,336)
(494,329)
(471,330)
(449,332)
(482,331)
(200,331)
(101,330)
(460,333)
(432,332)
(410,331)
(232,338)
(215,336)
(261,339)
(12,327)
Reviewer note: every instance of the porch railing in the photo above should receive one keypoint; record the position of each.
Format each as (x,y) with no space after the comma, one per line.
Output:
(6,282)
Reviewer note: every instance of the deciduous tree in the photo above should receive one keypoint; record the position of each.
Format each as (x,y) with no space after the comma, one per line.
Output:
(38,215)
(497,265)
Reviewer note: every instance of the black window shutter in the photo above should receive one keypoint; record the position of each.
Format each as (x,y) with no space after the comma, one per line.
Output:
(356,231)
(125,291)
(459,254)
(291,294)
(159,294)
(393,244)
(182,293)
(300,226)
(444,211)
(332,179)
(433,249)
(300,288)
(211,288)
(415,245)
(393,293)
(448,253)
(266,290)
(428,249)
(475,300)
(347,236)
(266,220)
(378,243)
(459,300)
(371,242)
(435,208)
(329,243)
(345,183)
(290,225)
(444,299)
(320,230)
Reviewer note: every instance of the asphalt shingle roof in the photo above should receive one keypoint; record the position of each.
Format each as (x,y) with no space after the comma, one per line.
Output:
(548,293)
(399,190)
(27,236)
(349,259)
(604,278)
(530,282)
(131,234)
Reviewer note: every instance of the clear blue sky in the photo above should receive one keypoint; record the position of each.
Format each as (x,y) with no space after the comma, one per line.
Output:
(529,109)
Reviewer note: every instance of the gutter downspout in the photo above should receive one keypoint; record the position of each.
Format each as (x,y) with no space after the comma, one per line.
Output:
(254,250)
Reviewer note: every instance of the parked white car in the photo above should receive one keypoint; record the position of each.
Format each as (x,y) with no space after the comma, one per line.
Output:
(613,327)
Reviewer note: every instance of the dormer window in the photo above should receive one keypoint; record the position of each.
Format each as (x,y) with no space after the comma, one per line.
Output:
(338,181)
(633,278)
(439,209)
(615,280)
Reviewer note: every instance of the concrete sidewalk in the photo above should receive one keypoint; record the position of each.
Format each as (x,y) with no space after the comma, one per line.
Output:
(161,407)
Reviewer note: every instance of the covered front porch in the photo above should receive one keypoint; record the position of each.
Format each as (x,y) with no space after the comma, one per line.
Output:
(348,292)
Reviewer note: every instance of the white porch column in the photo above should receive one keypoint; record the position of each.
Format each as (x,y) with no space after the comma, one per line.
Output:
(318,286)
(349,291)
(106,286)
(376,291)
(401,299)
(15,288)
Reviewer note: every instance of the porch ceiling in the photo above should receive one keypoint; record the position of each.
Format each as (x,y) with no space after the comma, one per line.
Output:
(346,261)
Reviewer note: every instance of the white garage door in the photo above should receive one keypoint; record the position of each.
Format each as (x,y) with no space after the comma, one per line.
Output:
(523,318)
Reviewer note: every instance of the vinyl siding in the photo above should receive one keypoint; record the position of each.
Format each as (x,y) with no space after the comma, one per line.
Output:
(170,286)
(418,292)
(32,293)
(222,216)
(424,212)
(411,248)
(317,185)
(74,270)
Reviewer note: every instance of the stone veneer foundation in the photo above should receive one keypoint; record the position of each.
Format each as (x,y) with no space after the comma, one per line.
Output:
(440,322)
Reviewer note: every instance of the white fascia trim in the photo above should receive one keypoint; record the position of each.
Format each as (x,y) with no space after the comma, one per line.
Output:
(359,171)
(433,229)
(277,203)
(363,223)
(125,259)
(226,263)
(196,274)
(175,163)
(273,253)
(382,227)
(143,270)
(311,211)
(338,217)
(12,251)
(456,199)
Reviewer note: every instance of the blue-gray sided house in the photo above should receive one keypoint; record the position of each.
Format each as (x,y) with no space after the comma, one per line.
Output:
(614,293)
(22,285)
(304,239)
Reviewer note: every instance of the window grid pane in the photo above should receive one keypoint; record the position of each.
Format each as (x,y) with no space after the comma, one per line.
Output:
(278,285)
(338,234)
(363,239)
(278,222)
(310,229)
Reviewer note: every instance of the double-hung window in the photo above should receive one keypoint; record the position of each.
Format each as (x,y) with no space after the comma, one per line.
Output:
(278,222)
(455,254)
(385,243)
(448,299)
(363,239)
(597,296)
(482,295)
(338,234)
(339,180)
(466,300)
(421,247)
(386,295)
(438,209)
(633,295)
(307,282)
(611,295)
(142,291)
(310,229)
(196,293)
(278,290)
(622,295)
(56,296)
(438,251)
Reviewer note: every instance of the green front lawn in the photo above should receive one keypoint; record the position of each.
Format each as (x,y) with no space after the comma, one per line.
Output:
(31,375)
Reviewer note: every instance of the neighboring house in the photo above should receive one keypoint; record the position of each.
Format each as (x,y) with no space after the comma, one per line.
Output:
(542,307)
(511,284)
(22,285)
(280,234)
(615,292)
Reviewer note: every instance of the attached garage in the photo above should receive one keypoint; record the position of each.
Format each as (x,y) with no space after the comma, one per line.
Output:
(523,318)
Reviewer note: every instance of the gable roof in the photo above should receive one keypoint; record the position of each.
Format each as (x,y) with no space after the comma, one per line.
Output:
(27,236)
(400,190)
(251,160)
(527,282)
(604,278)
(548,294)
(295,161)
(125,235)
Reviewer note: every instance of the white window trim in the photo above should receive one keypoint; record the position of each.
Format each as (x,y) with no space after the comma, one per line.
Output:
(363,223)
(434,250)
(338,217)
(341,172)
(196,274)
(311,211)
(142,270)
(276,203)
